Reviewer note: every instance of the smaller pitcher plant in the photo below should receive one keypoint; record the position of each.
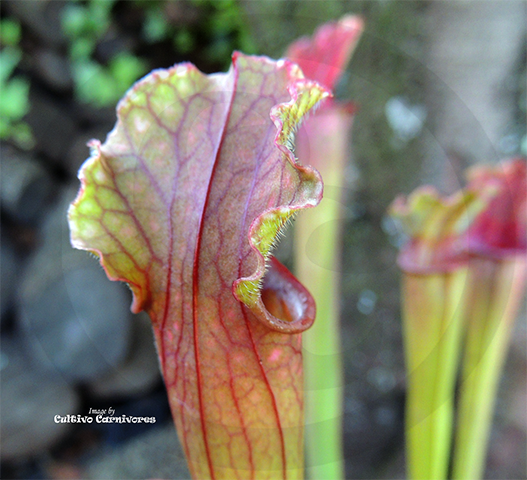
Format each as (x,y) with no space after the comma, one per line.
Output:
(497,271)
(463,278)
(433,288)
(324,142)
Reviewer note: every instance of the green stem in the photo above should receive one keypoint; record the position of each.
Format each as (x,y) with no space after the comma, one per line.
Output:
(432,323)
(323,382)
(496,290)
(324,144)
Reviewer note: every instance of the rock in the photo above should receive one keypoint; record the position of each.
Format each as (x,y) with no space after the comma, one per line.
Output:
(53,127)
(43,17)
(373,430)
(156,454)
(25,185)
(30,400)
(10,265)
(55,231)
(53,69)
(140,371)
(88,114)
(76,321)
(154,406)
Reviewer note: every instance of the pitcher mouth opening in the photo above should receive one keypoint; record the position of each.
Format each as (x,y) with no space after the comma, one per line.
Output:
(285,304)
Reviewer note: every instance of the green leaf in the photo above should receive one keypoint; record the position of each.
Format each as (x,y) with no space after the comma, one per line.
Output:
(74,20)
(126,69)
(10,32)
(155,27)
(9,59)
(14,103)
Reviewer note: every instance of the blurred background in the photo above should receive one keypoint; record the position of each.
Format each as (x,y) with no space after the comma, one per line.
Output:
(438,86)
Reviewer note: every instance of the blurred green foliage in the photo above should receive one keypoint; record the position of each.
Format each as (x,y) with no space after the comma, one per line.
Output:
(14,96)
(96,83)
(220,29)
(205,32)
(105,85)
(10,32)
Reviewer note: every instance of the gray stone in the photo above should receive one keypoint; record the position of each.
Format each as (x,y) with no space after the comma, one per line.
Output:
(76,321)
(24,185)
(140,371)
(30,400)
(9,268)
(53,127)
(156,454)
(53,69)
(41,16)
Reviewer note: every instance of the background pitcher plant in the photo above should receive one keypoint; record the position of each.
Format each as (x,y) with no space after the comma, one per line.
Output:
(497,273)
(433,293)
(324,142)
(464,269)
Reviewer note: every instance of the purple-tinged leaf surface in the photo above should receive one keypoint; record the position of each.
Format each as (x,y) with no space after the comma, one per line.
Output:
(183,201)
